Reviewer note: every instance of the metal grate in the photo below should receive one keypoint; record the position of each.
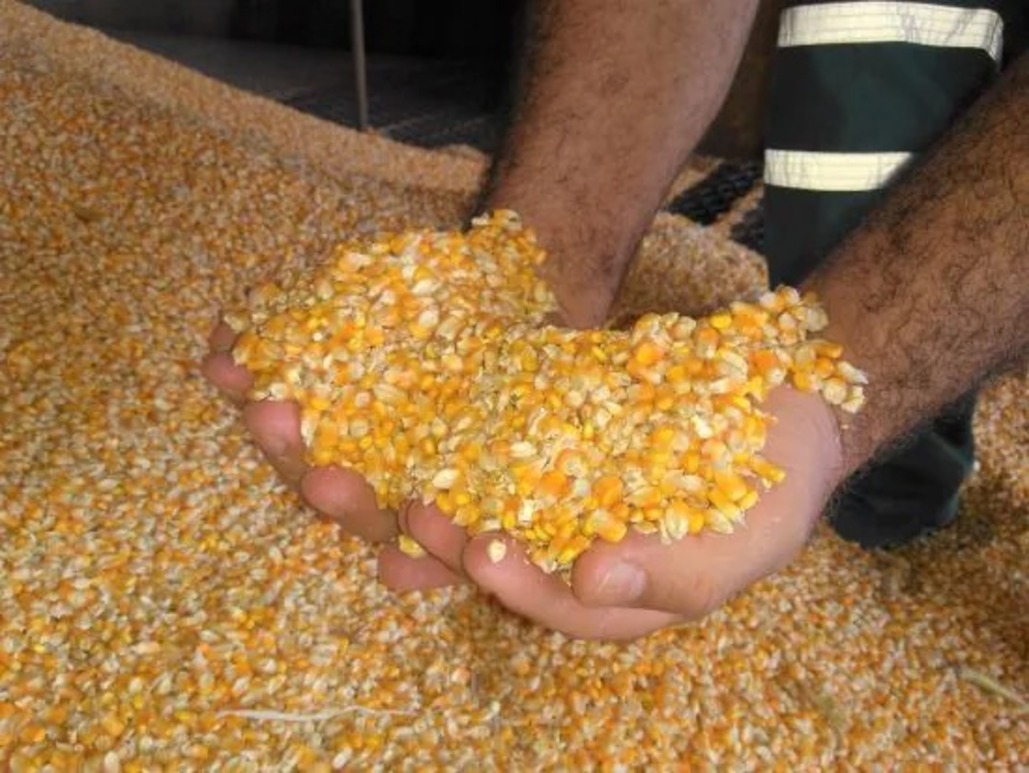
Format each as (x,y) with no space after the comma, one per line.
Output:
(430,105)
(750,231)
(435,130)
(715,194)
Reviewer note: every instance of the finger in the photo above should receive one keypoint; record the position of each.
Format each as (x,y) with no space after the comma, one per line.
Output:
(221,370)
(275,427)
(401,572)
(690,578)
(547,599)
(696,575)
(222,338)
(431,529)
(349,500)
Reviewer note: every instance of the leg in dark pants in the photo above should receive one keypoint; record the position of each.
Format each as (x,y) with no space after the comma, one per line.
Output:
(846,116)
(912,487)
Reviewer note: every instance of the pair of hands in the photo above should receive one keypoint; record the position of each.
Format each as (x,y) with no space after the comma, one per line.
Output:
(618,592)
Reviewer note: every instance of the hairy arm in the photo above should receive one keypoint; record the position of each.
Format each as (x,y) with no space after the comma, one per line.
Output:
(613,98)
(931,294)
(928,296)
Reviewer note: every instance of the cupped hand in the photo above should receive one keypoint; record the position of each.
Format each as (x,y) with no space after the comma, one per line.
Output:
(626,590)
(334,493)
(617,592)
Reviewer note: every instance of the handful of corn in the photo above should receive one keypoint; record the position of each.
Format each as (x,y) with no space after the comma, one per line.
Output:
(424,361)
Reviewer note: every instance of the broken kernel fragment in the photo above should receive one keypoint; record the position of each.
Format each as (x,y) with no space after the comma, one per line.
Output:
(423,360)
(410,547)
(496,550)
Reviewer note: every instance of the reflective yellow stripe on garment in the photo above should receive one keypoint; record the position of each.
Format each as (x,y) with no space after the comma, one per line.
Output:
(831,171)
(924,24)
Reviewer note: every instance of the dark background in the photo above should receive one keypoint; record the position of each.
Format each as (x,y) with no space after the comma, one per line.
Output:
(451,29)
(479,30)
(438,72)
(479,35)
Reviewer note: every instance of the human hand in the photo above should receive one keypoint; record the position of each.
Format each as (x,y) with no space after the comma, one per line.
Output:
(336,494)
(674,583)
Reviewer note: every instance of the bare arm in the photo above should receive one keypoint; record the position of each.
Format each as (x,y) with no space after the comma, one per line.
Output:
(613,98)
(932,294)
(929,296)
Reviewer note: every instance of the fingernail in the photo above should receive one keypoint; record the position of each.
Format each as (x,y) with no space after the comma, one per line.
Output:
(217,342)
(623,584)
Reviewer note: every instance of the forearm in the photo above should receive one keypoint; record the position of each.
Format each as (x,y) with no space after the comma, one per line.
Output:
(930,295)
(613,98)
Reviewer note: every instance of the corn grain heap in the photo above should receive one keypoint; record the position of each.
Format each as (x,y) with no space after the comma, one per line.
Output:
(422,360)
(166,604)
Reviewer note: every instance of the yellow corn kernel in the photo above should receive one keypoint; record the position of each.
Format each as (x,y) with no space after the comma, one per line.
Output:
(32,733)
(828,349)
(608,490)
(647,353)
(663,437)
(824,368)
(572,463)
(767,471)
(804,381)
(723,503)
(691,462)
(646,497)
(696,521)
(573,549)
(612,529)
(720,320)
(552,483)
(730,484)
(707,343)
(448,375)
(748,500)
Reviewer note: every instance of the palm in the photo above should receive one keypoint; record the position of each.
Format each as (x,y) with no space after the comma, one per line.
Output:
(337,494)
(686,579)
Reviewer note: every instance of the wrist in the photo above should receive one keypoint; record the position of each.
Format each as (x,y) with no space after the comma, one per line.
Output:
(586,257)
(812,427)
(850,327)
(830,442)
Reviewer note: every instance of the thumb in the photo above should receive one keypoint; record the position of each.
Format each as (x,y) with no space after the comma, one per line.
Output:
(642,573)
(695,575)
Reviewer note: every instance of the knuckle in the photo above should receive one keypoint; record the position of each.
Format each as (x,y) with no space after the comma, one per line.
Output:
(699,595)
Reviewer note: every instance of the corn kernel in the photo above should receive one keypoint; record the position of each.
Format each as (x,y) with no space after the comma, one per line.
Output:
(550,422)
(409,546)
(496,550)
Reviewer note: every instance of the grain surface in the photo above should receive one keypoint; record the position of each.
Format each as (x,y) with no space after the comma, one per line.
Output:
(166,604)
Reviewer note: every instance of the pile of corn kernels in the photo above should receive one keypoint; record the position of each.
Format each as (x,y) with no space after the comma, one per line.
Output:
(422,360)
(167,604)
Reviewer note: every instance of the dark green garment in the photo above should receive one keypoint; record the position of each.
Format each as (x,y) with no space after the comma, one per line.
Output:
(879,96)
